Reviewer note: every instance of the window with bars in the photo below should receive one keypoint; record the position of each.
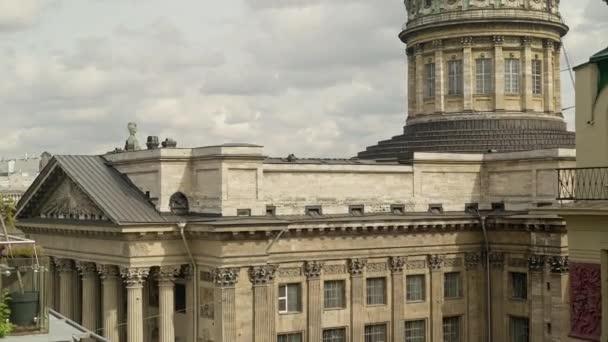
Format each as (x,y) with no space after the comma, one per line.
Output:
(334,335)
(376,291)
(415,331)
(512,76)
(537,77)
(290,298)
(415,288)
(451,285)
(451,329)
(429,91)
(519,285)
(519,327)
(483,68)
(375,333)
(295,337)
(333,291)
(455,84)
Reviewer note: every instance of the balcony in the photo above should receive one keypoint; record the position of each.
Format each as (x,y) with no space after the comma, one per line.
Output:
(583,184)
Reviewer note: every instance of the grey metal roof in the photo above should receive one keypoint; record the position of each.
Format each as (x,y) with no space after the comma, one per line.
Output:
(113,192)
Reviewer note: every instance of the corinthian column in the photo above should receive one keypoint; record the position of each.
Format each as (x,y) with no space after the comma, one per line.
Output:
(312,270)
(135,278)
(262,279)
(225,280)
(65,268)
(435,262)
(356,268)
(396,264)
(439,77)
(468,73)
(549,86)
(90,294)
(110,287)
(166,302)
(499,74)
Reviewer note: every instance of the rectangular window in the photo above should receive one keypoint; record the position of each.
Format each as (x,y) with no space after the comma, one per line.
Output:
(297,337)
(429,90)
(451,285)
(455,77)
(333,291)
(356,210)
(375,333)
(519,329)
(512,76)
(451,329)
(290,298)
(414,288)
(415,331)
(334,335)
(484,76)
(519,284)
(537,77)
(376,291)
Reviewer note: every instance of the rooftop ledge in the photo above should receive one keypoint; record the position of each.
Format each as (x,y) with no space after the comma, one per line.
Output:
(225,150)
(476,15)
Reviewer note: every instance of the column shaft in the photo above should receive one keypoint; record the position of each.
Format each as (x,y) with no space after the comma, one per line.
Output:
(411,86)
(90,295)
(122,310)
(315,308)
(398,287)
(536,307)
(65,268)
(499,74)
(548,78)
(264,313)
(436,305)
(420,82)
(557,75)
(135,278)
(357,285)
(474,295)
(77,297)
(439,79)
(228,314)
(190,306)
(111,288)
(145,300)
(499,321)
(166,312)
(527,76)
(468,74)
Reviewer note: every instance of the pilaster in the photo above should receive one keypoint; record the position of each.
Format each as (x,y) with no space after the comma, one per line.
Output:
(77,297)
(135,278)
(312,271)
(396,265)
(557,76)
(560,314)
(420,81)
(65,268)
(225,280)
(499,297)
(536,266)
(435,263)
(439,77)
(411,83)
(499,73)
(475,296)
(90,294)
(356,268)
(262,280)
(467,73)
(549,87)
(165,276)
(188,273)
(110,283)
(527,74)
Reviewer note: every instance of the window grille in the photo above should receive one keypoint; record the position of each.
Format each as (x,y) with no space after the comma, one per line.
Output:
(430,80)
(375,333)
(334,294)
(289,298)
(519,329)
(519,284)
(455,84)
(376,288)
(537,77)
(297,337)
(415,287)
(451,329)
(484,76)
(334,335)
(512,76)
(415,331)
(451,285)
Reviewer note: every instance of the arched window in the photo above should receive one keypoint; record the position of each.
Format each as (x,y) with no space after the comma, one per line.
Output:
(178,203)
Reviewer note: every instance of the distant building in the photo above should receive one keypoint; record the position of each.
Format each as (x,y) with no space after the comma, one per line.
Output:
(17,174)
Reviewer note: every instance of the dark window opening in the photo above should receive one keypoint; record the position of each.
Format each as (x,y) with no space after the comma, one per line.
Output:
(398,209)
(357,210)
(243,212)
(436,208)
(180,298)
(271,210)
(178,203)
(314,210)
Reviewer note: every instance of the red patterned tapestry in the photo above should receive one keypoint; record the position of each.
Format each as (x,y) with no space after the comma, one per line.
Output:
(585,301)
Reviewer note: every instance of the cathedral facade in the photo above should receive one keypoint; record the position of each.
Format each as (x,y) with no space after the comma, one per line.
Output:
(415,242)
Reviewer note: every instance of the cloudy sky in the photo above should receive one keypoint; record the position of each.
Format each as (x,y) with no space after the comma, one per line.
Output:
(310,77)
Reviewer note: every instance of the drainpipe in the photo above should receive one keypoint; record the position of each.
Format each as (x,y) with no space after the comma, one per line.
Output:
(182,226)
(482,220)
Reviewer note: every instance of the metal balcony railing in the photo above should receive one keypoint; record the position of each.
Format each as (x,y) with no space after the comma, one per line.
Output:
(583,184)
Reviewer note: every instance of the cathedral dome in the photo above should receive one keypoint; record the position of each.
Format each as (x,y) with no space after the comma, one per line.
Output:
(482,75)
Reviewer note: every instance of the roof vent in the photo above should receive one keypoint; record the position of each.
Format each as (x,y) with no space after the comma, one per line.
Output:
(152,142)
(169,143)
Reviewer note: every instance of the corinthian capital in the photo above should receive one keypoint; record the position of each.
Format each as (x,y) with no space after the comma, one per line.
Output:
(225,277)
(313,269)
(134,276)
(86,268)
(64,265)
(262,275)
(107,271)
(356,266)
(397,264)
(435,261)
(166,274)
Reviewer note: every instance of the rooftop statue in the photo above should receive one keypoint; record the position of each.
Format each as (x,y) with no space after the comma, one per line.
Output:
(132,144)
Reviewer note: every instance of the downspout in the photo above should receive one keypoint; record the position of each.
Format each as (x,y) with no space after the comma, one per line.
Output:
(182,226)
(482,220)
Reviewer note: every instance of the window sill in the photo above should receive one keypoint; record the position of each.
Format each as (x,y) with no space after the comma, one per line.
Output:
(375,305)
(333,309)
(290,313)
(454,298)
(483,96)
(521,300)
(415,301)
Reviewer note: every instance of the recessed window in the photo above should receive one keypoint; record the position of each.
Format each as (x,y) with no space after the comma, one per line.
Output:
(376,291)
(519,285)
(243,212)
(415,331)
(455,84)
(294,337)
(436,208)
(334,335)
(484,76)
(314,210)
(512,75)
(397,209)
(271,210)
(519,328)
(415,287)
(452,285)
(333,291)
(375,333)
(178,203)
(357,210)
(290,298)
(451,329)
(429,91)
(537,77)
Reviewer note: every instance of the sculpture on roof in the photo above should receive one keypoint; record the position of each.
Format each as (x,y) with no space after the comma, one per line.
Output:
(132,144)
